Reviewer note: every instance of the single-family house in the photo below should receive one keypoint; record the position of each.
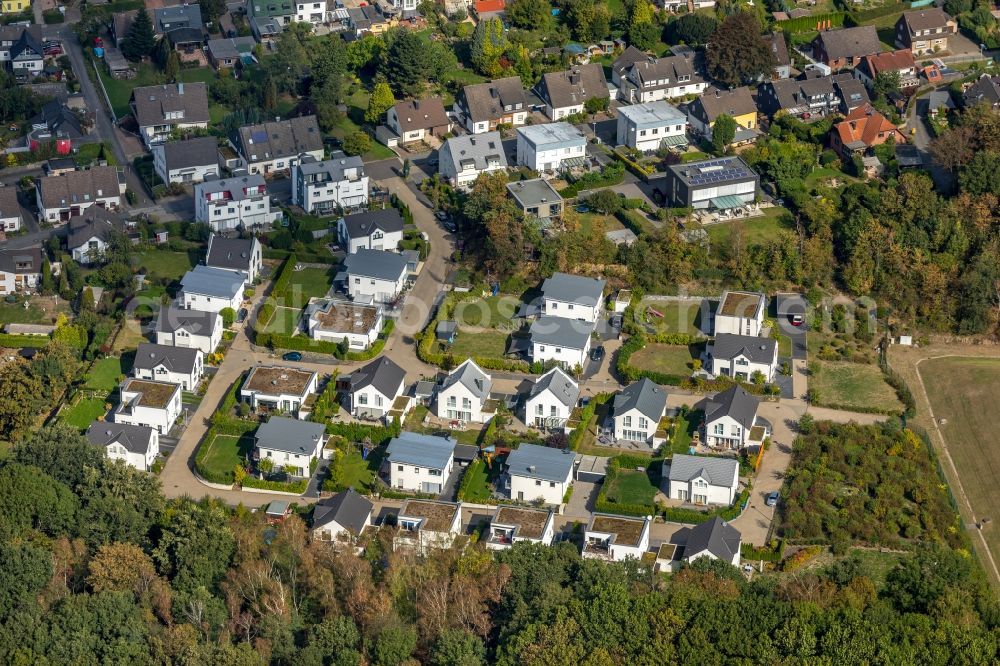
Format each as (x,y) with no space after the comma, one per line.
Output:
(239,202)
(374,276)
(539,473)
(149,403)
(290,444)
(243,255)
(565,93)
(186,161)
(551,400)
(514,524)
(89,234)
(322,187)
(703,479)
(164,363)
(342,517)
(418,119)
(10,210)
(615,538)
(812,96)
(278,145)
(280,12)
(863,128)
(650,79)
(737,103)
(177,17)
(730,417)
(61,197)
(20,270)
(740,313)
(278,388)
(311,11)
(573,297)
(651,126)
(137,446)
(332,320)
(900,62)
(483,106)
(159,110)
(58,122)
(636,411)
(628,57)
(420,463)
(566,341)
(380,229)
(367,19)
(846,47)
(426,526)
(715,539)
(27,57)
(231,52)
(925,31)
(462,159)
(537,199)
(12,34)
(464,393)
(721,183)
(374,388)
(212,289)
(193,329)
(551,147)
(779,49)
(743,356)
(985,90)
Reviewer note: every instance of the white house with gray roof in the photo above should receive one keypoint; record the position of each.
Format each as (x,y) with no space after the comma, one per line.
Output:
(212,289)
(235,254)
(566,341)
(290,444)
(234,203)
(341,517)
(420,463)
(730,418)
(180,327)
(551,400)
(715,539)
(380,229)
(374,388)
(324,187)
(464,393)
(374,276)
(137,446)
(551,147)
(573,297)
(539,473)
(703,480)
(177,365)
(648,127)
(187,161)
(462,159)
(742,356)
(636,411)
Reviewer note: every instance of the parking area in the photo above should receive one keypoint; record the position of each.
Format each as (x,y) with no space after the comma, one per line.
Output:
(790,307)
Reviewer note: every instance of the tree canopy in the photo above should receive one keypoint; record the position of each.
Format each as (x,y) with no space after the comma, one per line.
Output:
(736,53)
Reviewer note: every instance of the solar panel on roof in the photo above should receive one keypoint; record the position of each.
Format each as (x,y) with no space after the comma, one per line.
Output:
(258,135)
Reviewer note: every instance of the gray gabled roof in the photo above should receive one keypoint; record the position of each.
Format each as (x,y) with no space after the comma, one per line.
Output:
(573,86)
(717,471)
(232,253)
(561,332)
(734,402)
(153,103)
(644,395)
(197,152)
(850,42)
(475,149)
(540,462)
(281,433)
(134,438)
(758,350)
(175,359)
(95,222)
(384,375)
(212,281)
(195,322)
(562,386)
(230,47)
(488,101)
(349,509)
(568,288)
(279,139)
(361,225)
(21,262)
(429,451)
(378,264)
(716,536)
(472,377)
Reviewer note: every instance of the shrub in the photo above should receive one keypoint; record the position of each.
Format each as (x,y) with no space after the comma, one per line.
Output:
(586,418)
(801,557)
(298,487)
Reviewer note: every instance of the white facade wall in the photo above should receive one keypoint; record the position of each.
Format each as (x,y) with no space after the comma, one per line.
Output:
(330,195)
(182,338)
(12,223)
(567,356)
(228,215)
(212,303)
(299,461)
(634,426)
(572,310)
(528,489)
(160,420)
(12,282)
(91,250)
(557,113)
(648,139)
(700,491)
(466,177)
(194,174)
(545,410)
(518,119)
(707,553)
(365,288)
(725,431)
(739,325)
(286,402)
(280,163)
(636,95)
(377,240)
(369,400)
(405,476)
(743,368)
(311,12)
(619,552)
(358,340)
(53,214)
(141,461)
(542,158)
(188,382)
(458,403)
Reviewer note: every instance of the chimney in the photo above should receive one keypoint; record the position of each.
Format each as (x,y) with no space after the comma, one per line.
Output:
(531,468)
(416,104)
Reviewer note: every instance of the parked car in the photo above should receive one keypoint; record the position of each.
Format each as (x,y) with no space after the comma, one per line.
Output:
(441,215)
(597,353)
(772,498)
(292,356)
(241,316)
(797,319)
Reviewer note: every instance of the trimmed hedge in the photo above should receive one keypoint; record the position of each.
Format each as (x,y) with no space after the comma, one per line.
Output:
(303,343)
(470,472)
(628,218)
(283,282)
(693,516)
(586,418)
(643,173)
(356,432)
(297,487)
(808,23)
(748,551)
(15,341)
(308,257)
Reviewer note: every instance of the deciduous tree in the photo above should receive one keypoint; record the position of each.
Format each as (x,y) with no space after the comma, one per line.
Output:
(488,44)
(381,101)
(736,54)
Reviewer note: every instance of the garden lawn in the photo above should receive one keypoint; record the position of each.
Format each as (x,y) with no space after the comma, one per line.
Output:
(631,487)
(678,316)
(103,376)
(670,359)
(853,386)
(492,312)
(226,453)
(284,322)
(756,231)
(166,263)
(84,412)
(353,121)
(120,90)
(308,283)
(485,343)
(41,310)
(820,175)
(357,472)
(479,489)
(607,222)
(684,429)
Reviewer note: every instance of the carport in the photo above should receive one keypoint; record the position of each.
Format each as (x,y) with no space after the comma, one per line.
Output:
(591,469)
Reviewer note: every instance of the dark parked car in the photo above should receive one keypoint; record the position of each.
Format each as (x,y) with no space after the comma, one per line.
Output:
(241,316)
(772,498)
(292,356)
(441,215)
(597,353)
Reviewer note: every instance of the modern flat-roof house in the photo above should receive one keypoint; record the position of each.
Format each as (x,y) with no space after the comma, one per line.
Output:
(643,78)
(374,276)
(334,321)
(61,197)
(380,229)
(89,233)
(418,119)
(462,159)
(290,444)
(742,356)
(637,410)
(163,363)
(731,419)
(420,463)
(539,473)
(715,539)
(703,479)
(212,289)
(514,524)
(846,47)
(900,61)
(536,199)
(278,388)
(194,329)
(148,403)
(20,270)
(187,161)
(573,297)
(551,400)
(483,106)
(311,11)
(565,93)
(341,518)
(374,388)
(159,110)
(464,393)
(615,538)
(862,129)
(327,186)
(566,341)
(925,31)
(10,210)
(230,52)
(426,526)
(136,446)
(737,103)
(551,147)
(651,126)
(721,183)
(740,313)
(234,203)
(278,145)
(243,255)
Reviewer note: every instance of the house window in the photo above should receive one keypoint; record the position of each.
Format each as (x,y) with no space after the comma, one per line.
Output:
(627,421)
(399,468)
(552,484)
(538,483)
(719,429)
(643,423)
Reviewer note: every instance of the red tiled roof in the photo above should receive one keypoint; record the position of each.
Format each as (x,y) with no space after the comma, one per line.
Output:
(486,6)
(890,61)
(865,124)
